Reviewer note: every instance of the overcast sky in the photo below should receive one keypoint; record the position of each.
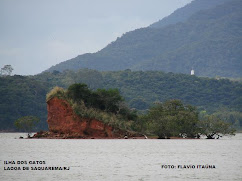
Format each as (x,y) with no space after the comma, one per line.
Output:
(36,34)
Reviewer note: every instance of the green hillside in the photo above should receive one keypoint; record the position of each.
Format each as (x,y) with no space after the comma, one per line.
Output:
(182,14)
(24,96)
(142,88)
(21,96)
(209,41)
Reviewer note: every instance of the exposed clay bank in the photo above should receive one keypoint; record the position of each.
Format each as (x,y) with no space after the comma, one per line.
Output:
(63,123)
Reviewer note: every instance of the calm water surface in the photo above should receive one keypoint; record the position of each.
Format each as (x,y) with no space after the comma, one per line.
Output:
(121,159)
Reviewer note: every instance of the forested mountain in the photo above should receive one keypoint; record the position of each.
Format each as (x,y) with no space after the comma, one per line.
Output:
(25,96)
(209,41)
(182,14)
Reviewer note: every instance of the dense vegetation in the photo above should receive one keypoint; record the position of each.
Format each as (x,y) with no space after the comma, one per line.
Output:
(23,96)
(175,119)
(209,41)
(214,127)
(101,104)
(221,97)
(171,118)
(141,89)
(182,14)
(27,124)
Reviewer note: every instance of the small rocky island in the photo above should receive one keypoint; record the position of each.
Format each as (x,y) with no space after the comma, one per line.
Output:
(71,116)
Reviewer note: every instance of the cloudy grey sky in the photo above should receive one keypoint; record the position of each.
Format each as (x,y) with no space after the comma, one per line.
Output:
(36,34)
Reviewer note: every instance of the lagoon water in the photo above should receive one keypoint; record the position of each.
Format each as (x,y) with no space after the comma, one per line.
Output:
(124,159)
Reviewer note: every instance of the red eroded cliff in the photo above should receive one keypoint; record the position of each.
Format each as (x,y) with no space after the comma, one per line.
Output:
(64,123)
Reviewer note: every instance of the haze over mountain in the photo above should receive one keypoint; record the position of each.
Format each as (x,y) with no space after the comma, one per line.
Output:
(207,38)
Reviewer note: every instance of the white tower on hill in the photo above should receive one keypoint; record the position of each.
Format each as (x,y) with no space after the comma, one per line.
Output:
(192,72)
